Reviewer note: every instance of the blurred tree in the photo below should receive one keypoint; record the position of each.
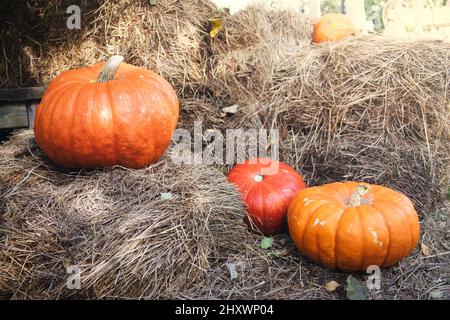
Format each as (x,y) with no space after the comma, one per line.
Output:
(330,6)
(374,9)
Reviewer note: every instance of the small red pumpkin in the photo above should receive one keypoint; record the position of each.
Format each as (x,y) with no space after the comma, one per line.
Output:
(105,115)
(267,196)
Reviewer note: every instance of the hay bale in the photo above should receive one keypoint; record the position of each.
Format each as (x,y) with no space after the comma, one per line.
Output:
(374,84)
(167,38)
(253,44)
(349,102)
(128,241)
(404,165)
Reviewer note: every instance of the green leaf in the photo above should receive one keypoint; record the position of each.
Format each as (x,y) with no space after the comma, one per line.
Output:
(356,290)
(277,253)
(266,243)
(436,294)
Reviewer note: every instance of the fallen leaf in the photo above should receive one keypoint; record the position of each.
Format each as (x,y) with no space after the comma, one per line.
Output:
(277,253)
(215,26)
(331,286)
(266,243)
(425,250)
(231,109)
(66,263)
(436,294)
(166,195)
(356,290)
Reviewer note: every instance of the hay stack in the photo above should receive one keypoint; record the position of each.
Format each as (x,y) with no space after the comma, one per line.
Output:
(404,165)
(252,45)
(166,38)
(370,108)
(128,240)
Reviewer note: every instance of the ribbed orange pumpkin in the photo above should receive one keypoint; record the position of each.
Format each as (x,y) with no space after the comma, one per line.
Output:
(333,27)
(267,196)
(106,114)
(351,225)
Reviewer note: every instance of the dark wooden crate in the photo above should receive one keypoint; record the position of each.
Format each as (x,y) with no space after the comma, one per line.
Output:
(17,106)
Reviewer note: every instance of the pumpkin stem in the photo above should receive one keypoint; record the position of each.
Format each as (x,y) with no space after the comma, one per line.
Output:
(258,178)
(357,197)
(110,68)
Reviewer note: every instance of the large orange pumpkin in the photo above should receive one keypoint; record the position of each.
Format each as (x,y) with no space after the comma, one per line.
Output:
(351,225)
(267,196)
(333,27)
(106,114)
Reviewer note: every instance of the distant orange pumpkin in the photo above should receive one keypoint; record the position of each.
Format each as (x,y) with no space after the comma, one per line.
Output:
(350,225)
(333,27)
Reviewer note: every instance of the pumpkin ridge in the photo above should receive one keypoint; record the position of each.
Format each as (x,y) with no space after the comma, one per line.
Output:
(263,210)
(84,125)
(411,237)
(363,241)
(318,237)
(139,97)
(71,136)
(335,236)
(388,233)
(55,106)
(411,227)
(63,81)
(161,85)
(88,128)
(96,107)
(47,130)
(112,107)
(308,221)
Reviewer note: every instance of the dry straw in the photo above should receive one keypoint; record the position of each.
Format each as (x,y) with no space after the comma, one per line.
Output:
(251,46)
(167,38)
(370,108)
(283,273)
(134,233)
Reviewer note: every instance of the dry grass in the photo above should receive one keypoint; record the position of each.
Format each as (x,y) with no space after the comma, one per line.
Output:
(166,38)
(113,223)
(404,165)
(251,47)
(130,243)
(371,108)
(293,276)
